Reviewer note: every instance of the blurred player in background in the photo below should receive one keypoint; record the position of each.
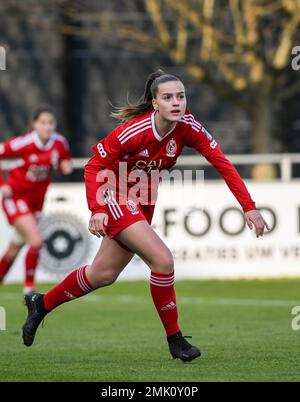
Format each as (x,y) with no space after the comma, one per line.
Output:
(150,138)
(37,154)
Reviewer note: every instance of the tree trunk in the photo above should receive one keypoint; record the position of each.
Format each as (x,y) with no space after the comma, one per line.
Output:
(74,75)
(262,118)
(262,128)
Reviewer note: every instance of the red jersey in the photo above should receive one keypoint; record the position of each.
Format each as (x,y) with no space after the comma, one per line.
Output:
(31,172)
(138,143)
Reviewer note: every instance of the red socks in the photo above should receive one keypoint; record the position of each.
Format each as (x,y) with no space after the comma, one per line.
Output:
(5,264)
(164,298)
(76,285)
(31,262)
(73,286)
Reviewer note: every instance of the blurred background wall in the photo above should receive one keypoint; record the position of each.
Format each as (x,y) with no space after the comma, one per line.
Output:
(78,56)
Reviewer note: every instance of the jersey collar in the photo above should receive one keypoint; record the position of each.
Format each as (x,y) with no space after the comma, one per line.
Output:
(156,135)
(40,145)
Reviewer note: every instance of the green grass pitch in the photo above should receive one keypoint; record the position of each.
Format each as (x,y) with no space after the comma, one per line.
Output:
(242,327)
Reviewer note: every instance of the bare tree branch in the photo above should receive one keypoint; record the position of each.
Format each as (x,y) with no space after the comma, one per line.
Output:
(290,26)
(155,12)
(240,48)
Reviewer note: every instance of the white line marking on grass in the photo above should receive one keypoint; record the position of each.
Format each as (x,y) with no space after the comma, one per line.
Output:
(10,296)
(181,300)
(119,298)
(197,300)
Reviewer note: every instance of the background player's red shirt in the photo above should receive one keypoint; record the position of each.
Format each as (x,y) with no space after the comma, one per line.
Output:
(31,172)
(138,143)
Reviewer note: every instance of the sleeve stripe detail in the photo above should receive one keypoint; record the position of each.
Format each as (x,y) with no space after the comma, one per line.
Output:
(191,124)
(21,142)
(135,133)
(61,138)
(133,127)
(189,119)
(16,164)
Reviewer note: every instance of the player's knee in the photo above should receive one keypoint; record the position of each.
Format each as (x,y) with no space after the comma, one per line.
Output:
(100,278)
(164,264)
(36,242)
(13,250)
(168,264)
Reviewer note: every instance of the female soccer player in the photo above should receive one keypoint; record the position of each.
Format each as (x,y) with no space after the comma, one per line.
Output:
(36,154)
(150,139)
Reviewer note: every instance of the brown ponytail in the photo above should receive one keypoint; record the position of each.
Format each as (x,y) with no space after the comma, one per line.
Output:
(144,104)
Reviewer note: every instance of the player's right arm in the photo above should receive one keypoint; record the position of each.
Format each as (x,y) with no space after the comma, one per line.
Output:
(106,152)
(5,189)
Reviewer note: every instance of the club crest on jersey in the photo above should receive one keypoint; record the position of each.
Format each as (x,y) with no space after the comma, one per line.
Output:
(171,148)
(33,158)
(131,206)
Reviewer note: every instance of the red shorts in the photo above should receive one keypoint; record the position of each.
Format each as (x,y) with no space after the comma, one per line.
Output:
(122,216)
(16,206)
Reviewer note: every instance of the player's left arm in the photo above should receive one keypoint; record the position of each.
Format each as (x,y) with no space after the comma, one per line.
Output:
(66,166)
(206,145)
(65,159)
